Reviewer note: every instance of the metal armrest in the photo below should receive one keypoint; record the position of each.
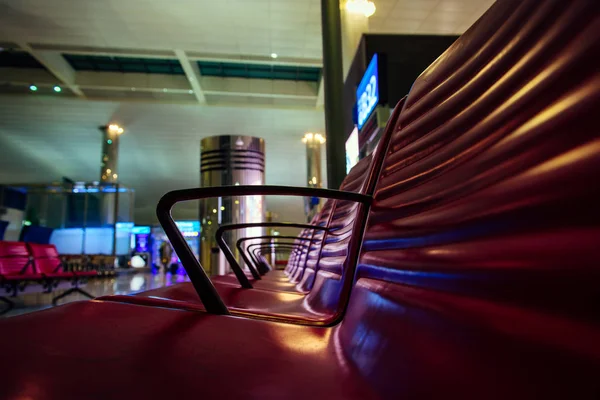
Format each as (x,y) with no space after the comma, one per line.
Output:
(263,246)
(201,282)
(235,266)
(243,252)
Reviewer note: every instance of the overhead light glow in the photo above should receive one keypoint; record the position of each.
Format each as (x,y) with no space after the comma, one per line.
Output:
(363,7)
(114,128)
(190,91)
(57,89)
(309,137)
(273,55)
(222,208)
(33,88)
(115,176)
(214,210)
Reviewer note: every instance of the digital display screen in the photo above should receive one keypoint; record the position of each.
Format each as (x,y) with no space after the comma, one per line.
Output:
(352,151)
(142,242)
(367,94)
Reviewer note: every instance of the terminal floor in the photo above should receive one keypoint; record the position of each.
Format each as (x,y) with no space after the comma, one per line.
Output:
(122,284)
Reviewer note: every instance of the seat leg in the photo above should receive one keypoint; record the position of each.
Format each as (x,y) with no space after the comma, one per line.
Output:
(9,305)
(69,292)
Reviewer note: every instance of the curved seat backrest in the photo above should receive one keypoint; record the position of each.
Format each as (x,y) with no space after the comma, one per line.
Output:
(479,271)
(335,262)
(330,250)
(45,257)
(14,259)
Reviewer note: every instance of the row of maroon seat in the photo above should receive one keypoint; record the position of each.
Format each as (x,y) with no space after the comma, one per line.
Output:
(473,275)
(315,286)
(35,267)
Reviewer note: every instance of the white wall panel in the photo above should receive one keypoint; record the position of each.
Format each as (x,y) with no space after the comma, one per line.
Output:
(43,138)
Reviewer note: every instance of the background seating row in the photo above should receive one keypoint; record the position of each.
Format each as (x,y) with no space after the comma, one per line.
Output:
(32,267)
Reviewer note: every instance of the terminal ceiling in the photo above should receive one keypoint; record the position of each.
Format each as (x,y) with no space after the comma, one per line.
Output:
(45,135)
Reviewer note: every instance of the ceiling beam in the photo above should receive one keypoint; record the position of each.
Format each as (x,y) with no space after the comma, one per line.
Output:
(167,54)
(320,94)
(192,72)
(55,63)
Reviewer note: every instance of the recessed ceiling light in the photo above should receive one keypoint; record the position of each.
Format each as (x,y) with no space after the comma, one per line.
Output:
(165,90)
(364,7)
(273,55)
(33,88)
(57,89)
(190,91)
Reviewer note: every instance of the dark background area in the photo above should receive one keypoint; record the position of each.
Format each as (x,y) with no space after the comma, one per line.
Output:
(405,57)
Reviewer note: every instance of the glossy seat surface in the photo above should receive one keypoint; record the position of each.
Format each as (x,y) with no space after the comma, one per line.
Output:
(128,342)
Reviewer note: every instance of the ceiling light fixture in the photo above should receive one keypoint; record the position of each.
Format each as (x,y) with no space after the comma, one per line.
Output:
(57,89)
(310,137)
(114,128)
(363,7)
(190,91)
(274,55)
(33,88)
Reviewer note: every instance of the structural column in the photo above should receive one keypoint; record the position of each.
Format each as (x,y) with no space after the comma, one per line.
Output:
(110,153)
(227,161)
(109,174)
(333,81)
(313,142)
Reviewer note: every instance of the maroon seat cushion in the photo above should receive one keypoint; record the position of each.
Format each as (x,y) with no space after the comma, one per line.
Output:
(207,356)
(318,306)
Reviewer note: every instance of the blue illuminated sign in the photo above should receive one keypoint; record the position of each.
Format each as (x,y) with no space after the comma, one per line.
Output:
(124,226)
(367,94)
(138,230)
(188,226)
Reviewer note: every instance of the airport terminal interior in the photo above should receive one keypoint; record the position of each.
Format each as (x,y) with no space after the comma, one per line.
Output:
(271,199)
